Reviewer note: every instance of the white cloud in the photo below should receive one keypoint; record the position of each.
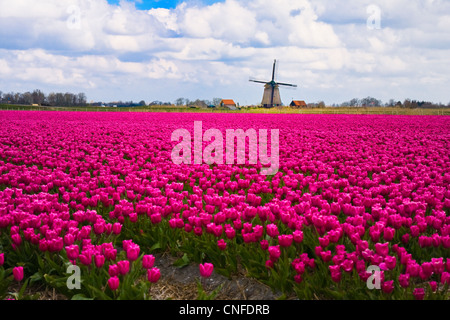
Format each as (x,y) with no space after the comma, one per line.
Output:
(324,45)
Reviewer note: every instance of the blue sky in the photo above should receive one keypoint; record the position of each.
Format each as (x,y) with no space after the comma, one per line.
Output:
(167,4)
(334,50)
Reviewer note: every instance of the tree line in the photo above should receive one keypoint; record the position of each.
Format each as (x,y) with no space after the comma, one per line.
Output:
(40,98)
(407,103)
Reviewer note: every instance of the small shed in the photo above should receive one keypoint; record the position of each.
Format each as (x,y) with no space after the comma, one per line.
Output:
(228,103)
(298,104)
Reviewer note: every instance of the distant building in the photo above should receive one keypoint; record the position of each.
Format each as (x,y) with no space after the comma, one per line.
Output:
(228,103)
(298,104)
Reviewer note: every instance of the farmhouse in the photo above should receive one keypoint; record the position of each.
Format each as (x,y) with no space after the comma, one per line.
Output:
(298,104)
(228,103)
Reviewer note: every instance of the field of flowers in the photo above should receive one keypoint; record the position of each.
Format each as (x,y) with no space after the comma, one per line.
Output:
(99,191)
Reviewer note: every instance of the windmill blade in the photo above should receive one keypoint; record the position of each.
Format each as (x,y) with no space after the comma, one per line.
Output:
(287,84)
(273,71)
(258,81)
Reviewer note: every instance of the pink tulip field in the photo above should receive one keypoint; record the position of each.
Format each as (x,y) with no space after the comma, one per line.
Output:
(99,191)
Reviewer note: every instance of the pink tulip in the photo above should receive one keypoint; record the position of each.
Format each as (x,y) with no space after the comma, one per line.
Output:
(113,283)
(113,270)
(124,266)
(285,240)
(148,261)
(388,286)
(433,285)
(116,228)
(419,293)
(153,275)
(403,279)
(99,260)
(206,269)
(18,273)
(17,239)
(230,233)
(133,252)
(382,248)
(222,244)
(445,278)
(73,252)
(2,259)
(274,253)
(264,244)
(272,230)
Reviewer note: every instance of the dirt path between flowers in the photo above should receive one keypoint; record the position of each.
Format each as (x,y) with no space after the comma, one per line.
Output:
(181,284)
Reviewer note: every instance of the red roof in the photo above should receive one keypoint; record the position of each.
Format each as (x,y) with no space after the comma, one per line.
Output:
(228,102)
(299,103)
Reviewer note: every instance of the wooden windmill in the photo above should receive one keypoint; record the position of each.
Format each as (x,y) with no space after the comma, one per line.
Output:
(271,97)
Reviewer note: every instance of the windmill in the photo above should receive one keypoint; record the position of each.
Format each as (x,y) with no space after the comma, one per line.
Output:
(271,97)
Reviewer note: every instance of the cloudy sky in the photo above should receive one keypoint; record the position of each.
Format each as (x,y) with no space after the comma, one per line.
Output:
(334,50)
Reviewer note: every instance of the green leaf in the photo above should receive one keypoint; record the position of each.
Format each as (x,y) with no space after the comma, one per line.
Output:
(36,277)
(81,296)
(183,262)
(155,246)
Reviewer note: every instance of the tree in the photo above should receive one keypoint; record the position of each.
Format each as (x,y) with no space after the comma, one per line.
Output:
(82,99)
(200,103)
(216,101)
(51,99)
(142,103)
(407,103)
(370,102)
(179,102)
(355,102)
(28,98)
(38,97)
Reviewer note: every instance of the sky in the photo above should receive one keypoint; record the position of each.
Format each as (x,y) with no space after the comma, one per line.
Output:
(333,50)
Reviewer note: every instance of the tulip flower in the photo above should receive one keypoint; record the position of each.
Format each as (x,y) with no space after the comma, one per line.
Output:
(18,273)
(99,260)
(206,269)
(148,261)
(222,244)
(116,228)
(113,270)
(403,279)
(133,252)
(387,286)
(298,236)
(153,275)
(433,285)
(2,259)
(285,240)
(264,244)
(272,230)
(73,252)
(274,253)
(124,266)
(269,264)
(113,283)
(419,293)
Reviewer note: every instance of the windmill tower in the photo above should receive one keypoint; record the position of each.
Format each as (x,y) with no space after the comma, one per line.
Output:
(271,97)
